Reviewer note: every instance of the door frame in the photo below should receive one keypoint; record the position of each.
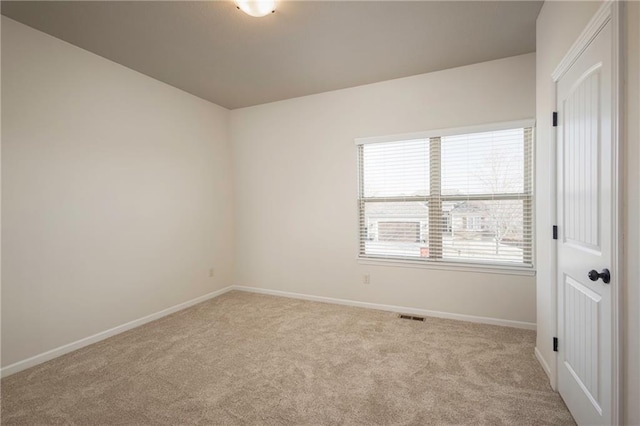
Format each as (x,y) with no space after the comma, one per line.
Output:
(609,11)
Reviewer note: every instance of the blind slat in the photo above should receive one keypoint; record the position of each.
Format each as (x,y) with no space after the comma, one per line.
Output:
(464,198)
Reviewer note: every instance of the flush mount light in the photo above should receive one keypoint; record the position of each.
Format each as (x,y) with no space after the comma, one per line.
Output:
(256,8)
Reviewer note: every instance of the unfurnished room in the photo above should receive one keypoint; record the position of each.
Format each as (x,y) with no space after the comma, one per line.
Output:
(274,212)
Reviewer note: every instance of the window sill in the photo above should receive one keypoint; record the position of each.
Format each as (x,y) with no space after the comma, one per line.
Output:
(450,266)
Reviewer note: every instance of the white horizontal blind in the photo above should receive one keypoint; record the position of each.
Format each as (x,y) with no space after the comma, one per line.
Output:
(463,198)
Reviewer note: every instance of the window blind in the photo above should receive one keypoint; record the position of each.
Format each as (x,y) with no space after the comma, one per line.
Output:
(456,198)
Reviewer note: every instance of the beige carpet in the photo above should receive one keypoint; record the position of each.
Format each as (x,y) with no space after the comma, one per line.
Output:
(252,359)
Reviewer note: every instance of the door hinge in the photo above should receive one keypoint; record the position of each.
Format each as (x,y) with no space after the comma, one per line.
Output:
(555,344)
(554,119)
(555,232)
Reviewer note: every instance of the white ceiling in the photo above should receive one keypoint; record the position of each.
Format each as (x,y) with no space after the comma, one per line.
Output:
(214,51)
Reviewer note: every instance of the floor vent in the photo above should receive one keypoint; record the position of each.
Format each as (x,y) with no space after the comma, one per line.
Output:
(411,317)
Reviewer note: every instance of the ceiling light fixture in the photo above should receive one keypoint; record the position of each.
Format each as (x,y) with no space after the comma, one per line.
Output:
(256,8)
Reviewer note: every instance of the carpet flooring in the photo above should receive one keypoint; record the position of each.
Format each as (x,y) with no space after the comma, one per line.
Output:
(249,359)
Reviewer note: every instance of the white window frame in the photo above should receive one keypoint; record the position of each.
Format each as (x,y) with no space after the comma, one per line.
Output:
(462,265)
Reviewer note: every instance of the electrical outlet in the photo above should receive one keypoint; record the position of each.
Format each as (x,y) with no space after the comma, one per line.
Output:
(212,272)
(366,279)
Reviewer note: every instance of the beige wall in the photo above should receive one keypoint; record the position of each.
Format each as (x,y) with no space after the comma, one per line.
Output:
(559,25)
(295,188)
(116,194)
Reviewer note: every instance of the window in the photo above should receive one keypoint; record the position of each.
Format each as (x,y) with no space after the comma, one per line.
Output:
(452,196)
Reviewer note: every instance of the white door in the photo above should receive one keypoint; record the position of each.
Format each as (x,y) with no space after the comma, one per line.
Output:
(585,240)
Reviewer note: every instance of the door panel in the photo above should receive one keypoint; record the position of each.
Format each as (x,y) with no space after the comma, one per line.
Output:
(581,183)
(581,353)
(584,224)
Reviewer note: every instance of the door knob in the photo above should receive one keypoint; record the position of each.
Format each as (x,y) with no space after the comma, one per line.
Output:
(605,275)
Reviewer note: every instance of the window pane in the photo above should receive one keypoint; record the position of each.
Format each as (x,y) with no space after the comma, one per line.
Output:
(396,169)
(395,229)
(479,209)
(483,163)
(490,230)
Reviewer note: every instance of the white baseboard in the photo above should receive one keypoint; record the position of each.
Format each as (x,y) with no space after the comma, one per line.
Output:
(544,364)
(70,347)
(392,308)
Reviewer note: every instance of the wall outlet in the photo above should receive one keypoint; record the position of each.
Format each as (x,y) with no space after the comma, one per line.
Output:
(212,272)
(366,279)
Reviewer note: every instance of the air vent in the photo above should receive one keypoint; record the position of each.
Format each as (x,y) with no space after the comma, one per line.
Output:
(411,317)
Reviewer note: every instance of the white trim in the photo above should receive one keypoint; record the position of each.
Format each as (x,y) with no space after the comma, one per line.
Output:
(543,363)
(450,266)
(599,20)
(492,127)
(617,70)
(78,344)
(391,308)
